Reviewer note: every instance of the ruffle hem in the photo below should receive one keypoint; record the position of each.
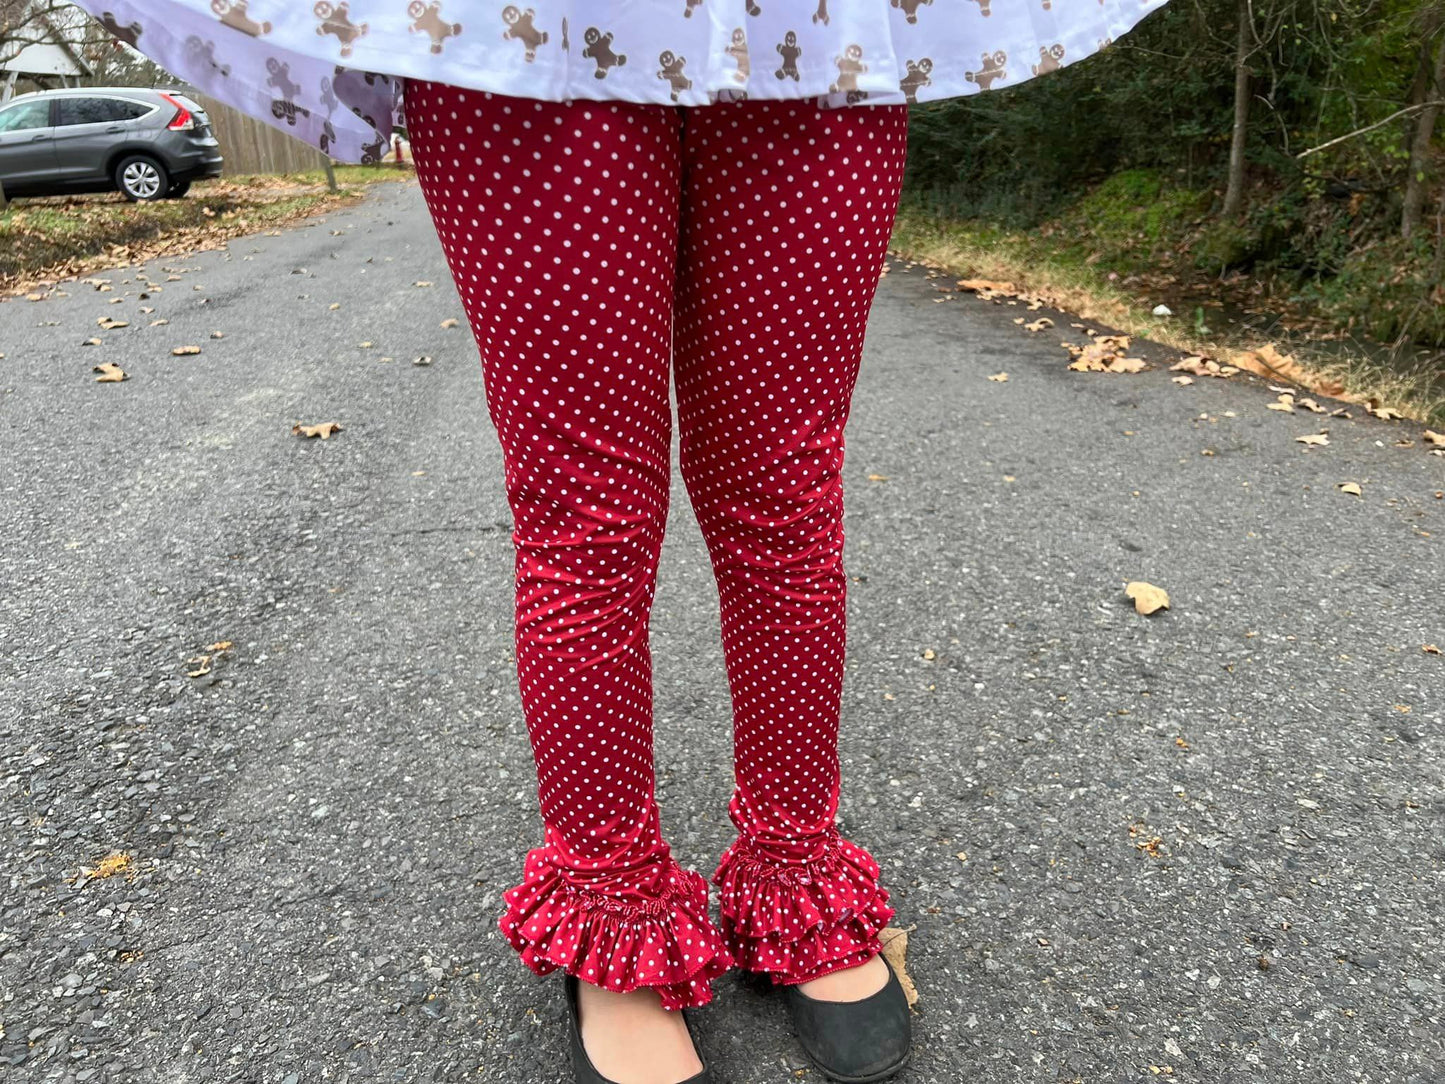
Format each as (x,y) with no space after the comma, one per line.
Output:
(801,920)
(667,943)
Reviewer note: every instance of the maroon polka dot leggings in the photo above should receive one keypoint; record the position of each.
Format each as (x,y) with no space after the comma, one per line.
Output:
(599,247)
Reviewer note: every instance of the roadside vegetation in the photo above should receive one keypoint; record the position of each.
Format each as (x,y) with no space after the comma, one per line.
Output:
(61,236)
(1270,172)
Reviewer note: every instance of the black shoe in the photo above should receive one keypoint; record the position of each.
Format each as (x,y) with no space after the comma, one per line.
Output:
(856,1042)
(582,1068)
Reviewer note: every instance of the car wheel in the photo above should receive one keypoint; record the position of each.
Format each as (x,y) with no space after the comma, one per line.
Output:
(179,189)
(141,178)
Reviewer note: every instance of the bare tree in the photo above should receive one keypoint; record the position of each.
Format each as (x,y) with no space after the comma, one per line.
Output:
(1243,50)
(1428,90)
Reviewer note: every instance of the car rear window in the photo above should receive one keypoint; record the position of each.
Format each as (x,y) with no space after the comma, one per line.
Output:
(99,110)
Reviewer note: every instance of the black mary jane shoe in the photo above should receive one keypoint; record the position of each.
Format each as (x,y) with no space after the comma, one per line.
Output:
(584,1072)
(855,1042)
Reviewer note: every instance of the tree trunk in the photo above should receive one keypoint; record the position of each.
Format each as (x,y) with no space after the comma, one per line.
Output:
(1234,192)
(1419,171)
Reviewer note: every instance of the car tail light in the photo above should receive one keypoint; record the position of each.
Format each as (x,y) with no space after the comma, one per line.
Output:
(182,121)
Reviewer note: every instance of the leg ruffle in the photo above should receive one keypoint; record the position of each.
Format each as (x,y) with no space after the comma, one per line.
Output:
(666,942)
(800,920)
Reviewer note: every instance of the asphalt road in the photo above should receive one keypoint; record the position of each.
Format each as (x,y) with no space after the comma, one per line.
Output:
(321,826)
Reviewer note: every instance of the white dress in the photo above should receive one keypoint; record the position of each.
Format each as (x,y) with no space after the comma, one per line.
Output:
(331,72)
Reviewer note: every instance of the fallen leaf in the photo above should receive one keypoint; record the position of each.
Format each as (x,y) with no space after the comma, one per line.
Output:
(1202,366)
(1147,598)
(1430,649)
(1350,487)
(1434,438)
(999,378)
(324,430)
(334,306)
(186,351)
(1317,440)
(159,321)
(1389,414)
(367,345)
(107,323)
(878,478)
(1183,381)
(1284,403)
(450,321)
(894,940)
(425,359)
(111,373)
(421,282)
(218,334)
(1040,324)
(1312,406)
(91,342)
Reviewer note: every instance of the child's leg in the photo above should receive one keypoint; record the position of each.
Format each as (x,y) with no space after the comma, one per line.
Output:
(559,223)
(787,211)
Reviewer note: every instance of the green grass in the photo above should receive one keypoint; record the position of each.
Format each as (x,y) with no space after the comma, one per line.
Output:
(1134,224)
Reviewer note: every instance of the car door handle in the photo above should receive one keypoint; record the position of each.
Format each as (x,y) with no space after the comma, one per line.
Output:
(38,137)
(115,128)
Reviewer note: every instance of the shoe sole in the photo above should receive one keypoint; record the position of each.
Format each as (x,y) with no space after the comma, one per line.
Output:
(871,1078)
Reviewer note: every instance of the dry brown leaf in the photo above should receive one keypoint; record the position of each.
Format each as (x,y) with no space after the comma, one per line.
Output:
(424,359)
(158,322)
(878,478)
(1147,598)
(1318,440)
(1312,406)
(450,321)
(1127,365)
(421,282)
(324,430)
(218,334)
(1284,403)
(186,351)
(1350,487)
(1385,413)
(1431,649)
(1202,366)
(107,323)
(91,342)
(1040,324)
(333,306)
(1183,381)
(110,373)
(894,940)
(1435,439)
(999,378)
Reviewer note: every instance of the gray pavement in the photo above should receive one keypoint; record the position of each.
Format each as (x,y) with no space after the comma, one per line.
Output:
(322,825)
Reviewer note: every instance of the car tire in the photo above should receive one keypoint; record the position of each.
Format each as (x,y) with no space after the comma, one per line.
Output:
(141,177)
(179,189)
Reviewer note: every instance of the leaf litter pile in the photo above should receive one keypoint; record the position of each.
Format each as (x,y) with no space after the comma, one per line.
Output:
(1109,353)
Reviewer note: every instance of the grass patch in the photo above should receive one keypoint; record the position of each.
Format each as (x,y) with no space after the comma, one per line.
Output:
(1104,257)
(60,236)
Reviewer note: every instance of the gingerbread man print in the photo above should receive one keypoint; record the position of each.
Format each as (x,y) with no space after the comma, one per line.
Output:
(790,51)
(520,28)
(738,50)
(599,48)
(426,19)
(850,66)
(336,21)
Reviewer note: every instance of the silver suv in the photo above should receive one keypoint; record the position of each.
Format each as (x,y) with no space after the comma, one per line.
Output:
(147,144)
